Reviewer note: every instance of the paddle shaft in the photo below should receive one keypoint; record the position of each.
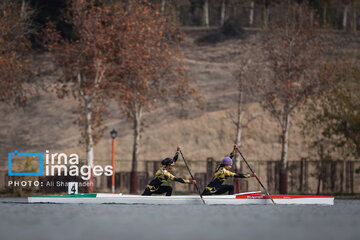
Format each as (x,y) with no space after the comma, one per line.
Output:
(267,193)
(187,166)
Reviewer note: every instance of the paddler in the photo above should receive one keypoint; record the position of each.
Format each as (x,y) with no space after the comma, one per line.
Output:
(162,176)
(221,174)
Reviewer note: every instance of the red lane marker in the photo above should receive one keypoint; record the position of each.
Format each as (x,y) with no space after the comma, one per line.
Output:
(262,196)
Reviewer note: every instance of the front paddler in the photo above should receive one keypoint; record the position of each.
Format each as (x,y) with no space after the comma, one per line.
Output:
(221,174)
(163,175)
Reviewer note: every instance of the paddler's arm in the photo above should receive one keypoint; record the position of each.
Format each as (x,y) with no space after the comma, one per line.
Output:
(185,180)
(175,158)
(180,180)
(232,154)
(238,175)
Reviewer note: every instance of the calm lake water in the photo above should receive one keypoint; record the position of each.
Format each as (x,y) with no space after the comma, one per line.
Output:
(19,220)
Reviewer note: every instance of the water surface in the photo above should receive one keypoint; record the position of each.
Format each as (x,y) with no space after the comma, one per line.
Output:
(20,220)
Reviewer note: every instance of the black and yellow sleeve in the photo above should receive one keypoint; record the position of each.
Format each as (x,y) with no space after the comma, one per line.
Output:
(181,180)
(239,175)
(232,154)
(175,158)
(177,179)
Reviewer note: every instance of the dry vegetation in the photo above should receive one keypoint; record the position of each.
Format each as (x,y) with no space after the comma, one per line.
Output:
(205,131)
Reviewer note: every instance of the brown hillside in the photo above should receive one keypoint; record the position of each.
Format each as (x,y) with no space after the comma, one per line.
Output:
(208,131)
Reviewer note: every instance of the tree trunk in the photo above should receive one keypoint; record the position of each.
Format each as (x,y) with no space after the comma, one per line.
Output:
(324,15)
(251,15)
(89,142)
(284,150)
(174,12)
(234,10)
(319,184)
(163,2)
(344,23)
(206,13)
(312,17)
(137,124)
(23,9)
(223,8)
(129,6)
(354,19)
(237,159)
(266,16)
(321,169)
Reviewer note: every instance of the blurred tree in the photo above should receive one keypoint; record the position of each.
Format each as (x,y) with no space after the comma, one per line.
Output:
(355,5)
(206,21)
(251,14)
(163,4)
(334,118)
(332,123)
(266,11)
(325,4)
(222,12)
(152,68)
(15,30)
(49,11)
(346,10)
(243,117)
(294,69)
(87,64)
(313,4)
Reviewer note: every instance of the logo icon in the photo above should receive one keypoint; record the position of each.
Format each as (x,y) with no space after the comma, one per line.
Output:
(19,155)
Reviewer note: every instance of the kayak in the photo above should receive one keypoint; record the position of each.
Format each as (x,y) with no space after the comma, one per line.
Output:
(236,199)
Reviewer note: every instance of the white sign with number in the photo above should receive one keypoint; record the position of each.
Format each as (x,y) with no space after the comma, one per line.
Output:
(73,188)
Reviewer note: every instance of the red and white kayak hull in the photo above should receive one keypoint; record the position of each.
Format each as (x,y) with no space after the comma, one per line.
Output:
(237,199)
(287,199)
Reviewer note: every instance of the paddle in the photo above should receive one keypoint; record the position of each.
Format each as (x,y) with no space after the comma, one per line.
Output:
(187,166)
(267,193)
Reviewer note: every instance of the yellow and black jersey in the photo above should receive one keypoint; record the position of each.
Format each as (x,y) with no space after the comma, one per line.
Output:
(220,176)
(162,176)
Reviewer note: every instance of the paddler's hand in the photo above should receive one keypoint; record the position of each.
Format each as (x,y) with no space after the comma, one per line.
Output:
(192,181)
(178,148)
(236,146)
(253,175)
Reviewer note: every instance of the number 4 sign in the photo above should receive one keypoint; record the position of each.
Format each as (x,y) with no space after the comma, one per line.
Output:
(73,188)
